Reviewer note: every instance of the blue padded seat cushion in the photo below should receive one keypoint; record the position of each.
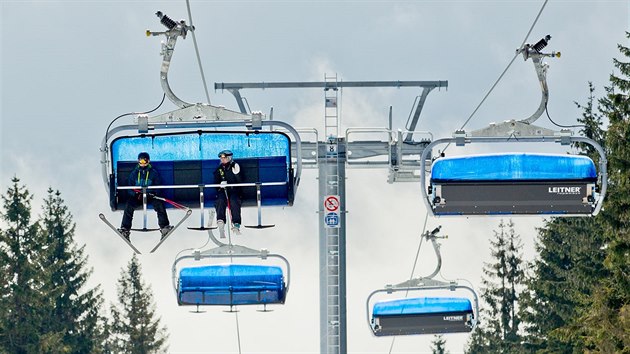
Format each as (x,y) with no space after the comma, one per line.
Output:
(513,167)
(235,277)
(421,306)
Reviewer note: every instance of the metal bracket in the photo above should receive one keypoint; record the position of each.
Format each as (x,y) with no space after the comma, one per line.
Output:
(199,112)
(460,137)
(143,123)
(257,120)
(565,136)
(509,129)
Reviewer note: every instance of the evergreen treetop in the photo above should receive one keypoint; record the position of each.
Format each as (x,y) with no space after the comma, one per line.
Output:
(135,328)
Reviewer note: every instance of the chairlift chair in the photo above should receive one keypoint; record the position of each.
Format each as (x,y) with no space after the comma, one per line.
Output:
(185,152)
(423,315)
(517,183)
(231,284)
(186,161)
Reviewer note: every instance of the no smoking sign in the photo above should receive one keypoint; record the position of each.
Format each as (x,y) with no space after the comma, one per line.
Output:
(331,203)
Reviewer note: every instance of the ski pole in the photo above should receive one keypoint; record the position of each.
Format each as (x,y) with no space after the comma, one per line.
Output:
(173,203)
(229,211)
(227,199)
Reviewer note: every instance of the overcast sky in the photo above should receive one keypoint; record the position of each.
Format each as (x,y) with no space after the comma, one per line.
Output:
(69,67)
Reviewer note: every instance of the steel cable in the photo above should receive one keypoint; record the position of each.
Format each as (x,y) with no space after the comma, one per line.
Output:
(203,77)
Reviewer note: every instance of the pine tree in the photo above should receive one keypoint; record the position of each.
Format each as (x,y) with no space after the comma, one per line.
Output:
(607,317)
(109,340)
(76,310)
(592,125)
(23,301)
(564,275)
(481,340)
(438,345)
(569,264)
(42,307)
(134,325)
(498,332)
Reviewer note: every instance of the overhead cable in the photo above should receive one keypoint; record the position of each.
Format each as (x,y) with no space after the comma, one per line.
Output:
(508,66)
(413,269)
(203,77)
(132,113)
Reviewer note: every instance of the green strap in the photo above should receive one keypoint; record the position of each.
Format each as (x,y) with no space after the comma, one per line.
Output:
(146,178)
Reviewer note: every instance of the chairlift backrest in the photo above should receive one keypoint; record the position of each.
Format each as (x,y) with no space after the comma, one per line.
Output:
(231,284)
(187,160)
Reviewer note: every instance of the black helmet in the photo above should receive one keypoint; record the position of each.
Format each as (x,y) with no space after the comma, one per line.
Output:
(227,153)
(144,155)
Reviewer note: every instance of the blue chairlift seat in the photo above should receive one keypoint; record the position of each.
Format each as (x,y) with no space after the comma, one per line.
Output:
(191,159)
(513,183)
(231,284)
(423,315)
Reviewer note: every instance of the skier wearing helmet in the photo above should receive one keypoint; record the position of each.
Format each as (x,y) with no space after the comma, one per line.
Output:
(143,175)
(228,172)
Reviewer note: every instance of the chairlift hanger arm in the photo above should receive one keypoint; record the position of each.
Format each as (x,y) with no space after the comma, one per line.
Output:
(174,30)
(534,52)
(428,280)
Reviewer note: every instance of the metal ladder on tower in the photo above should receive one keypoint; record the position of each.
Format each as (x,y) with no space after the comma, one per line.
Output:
(331,114)
(331,123)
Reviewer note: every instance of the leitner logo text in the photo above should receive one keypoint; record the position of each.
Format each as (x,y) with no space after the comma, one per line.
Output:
(453,318)
(565,190)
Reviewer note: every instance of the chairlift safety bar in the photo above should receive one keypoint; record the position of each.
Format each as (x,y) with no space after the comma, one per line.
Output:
(196,186)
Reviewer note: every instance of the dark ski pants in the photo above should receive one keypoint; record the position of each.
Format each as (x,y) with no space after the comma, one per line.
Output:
(235,206)
(133,203)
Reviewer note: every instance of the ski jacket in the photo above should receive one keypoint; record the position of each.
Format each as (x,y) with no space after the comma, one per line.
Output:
(230,172)
(144,177)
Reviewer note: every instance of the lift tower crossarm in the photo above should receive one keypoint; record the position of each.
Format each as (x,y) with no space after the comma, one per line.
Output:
(413,121)
(324,84)
(236,86)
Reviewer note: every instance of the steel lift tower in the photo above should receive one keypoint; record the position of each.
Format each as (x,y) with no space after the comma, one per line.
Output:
(333,155)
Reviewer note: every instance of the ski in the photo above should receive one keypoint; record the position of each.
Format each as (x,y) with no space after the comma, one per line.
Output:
(163,238)
(102,217)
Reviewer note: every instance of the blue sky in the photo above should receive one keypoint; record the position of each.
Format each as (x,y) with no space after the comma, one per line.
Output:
(69,67)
